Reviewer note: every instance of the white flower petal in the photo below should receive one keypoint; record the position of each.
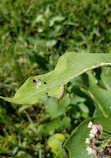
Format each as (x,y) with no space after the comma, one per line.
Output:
(92,135)
(89,149)
(90,125)
(87,141)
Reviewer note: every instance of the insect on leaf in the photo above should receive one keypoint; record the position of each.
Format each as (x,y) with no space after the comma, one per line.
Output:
(69,66)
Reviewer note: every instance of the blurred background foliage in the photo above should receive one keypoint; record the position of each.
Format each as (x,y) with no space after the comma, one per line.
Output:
(33,34)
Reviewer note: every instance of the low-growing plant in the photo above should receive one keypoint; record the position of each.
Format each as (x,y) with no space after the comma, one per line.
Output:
(77,74)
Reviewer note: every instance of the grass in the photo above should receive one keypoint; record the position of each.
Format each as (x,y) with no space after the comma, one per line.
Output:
(33,34)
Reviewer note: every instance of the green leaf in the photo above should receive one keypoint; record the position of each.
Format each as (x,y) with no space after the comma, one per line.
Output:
(100,96)
(98,91)
(49,126)
(76,143)
(55,143)
(106,78)
(53,107)
(69,66)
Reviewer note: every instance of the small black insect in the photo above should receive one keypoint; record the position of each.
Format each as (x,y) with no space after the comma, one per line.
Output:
(34,81)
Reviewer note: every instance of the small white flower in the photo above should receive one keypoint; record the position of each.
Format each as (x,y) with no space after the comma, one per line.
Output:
(89,149)
(90,125)
(94,130)
(87,141)
(92,135)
